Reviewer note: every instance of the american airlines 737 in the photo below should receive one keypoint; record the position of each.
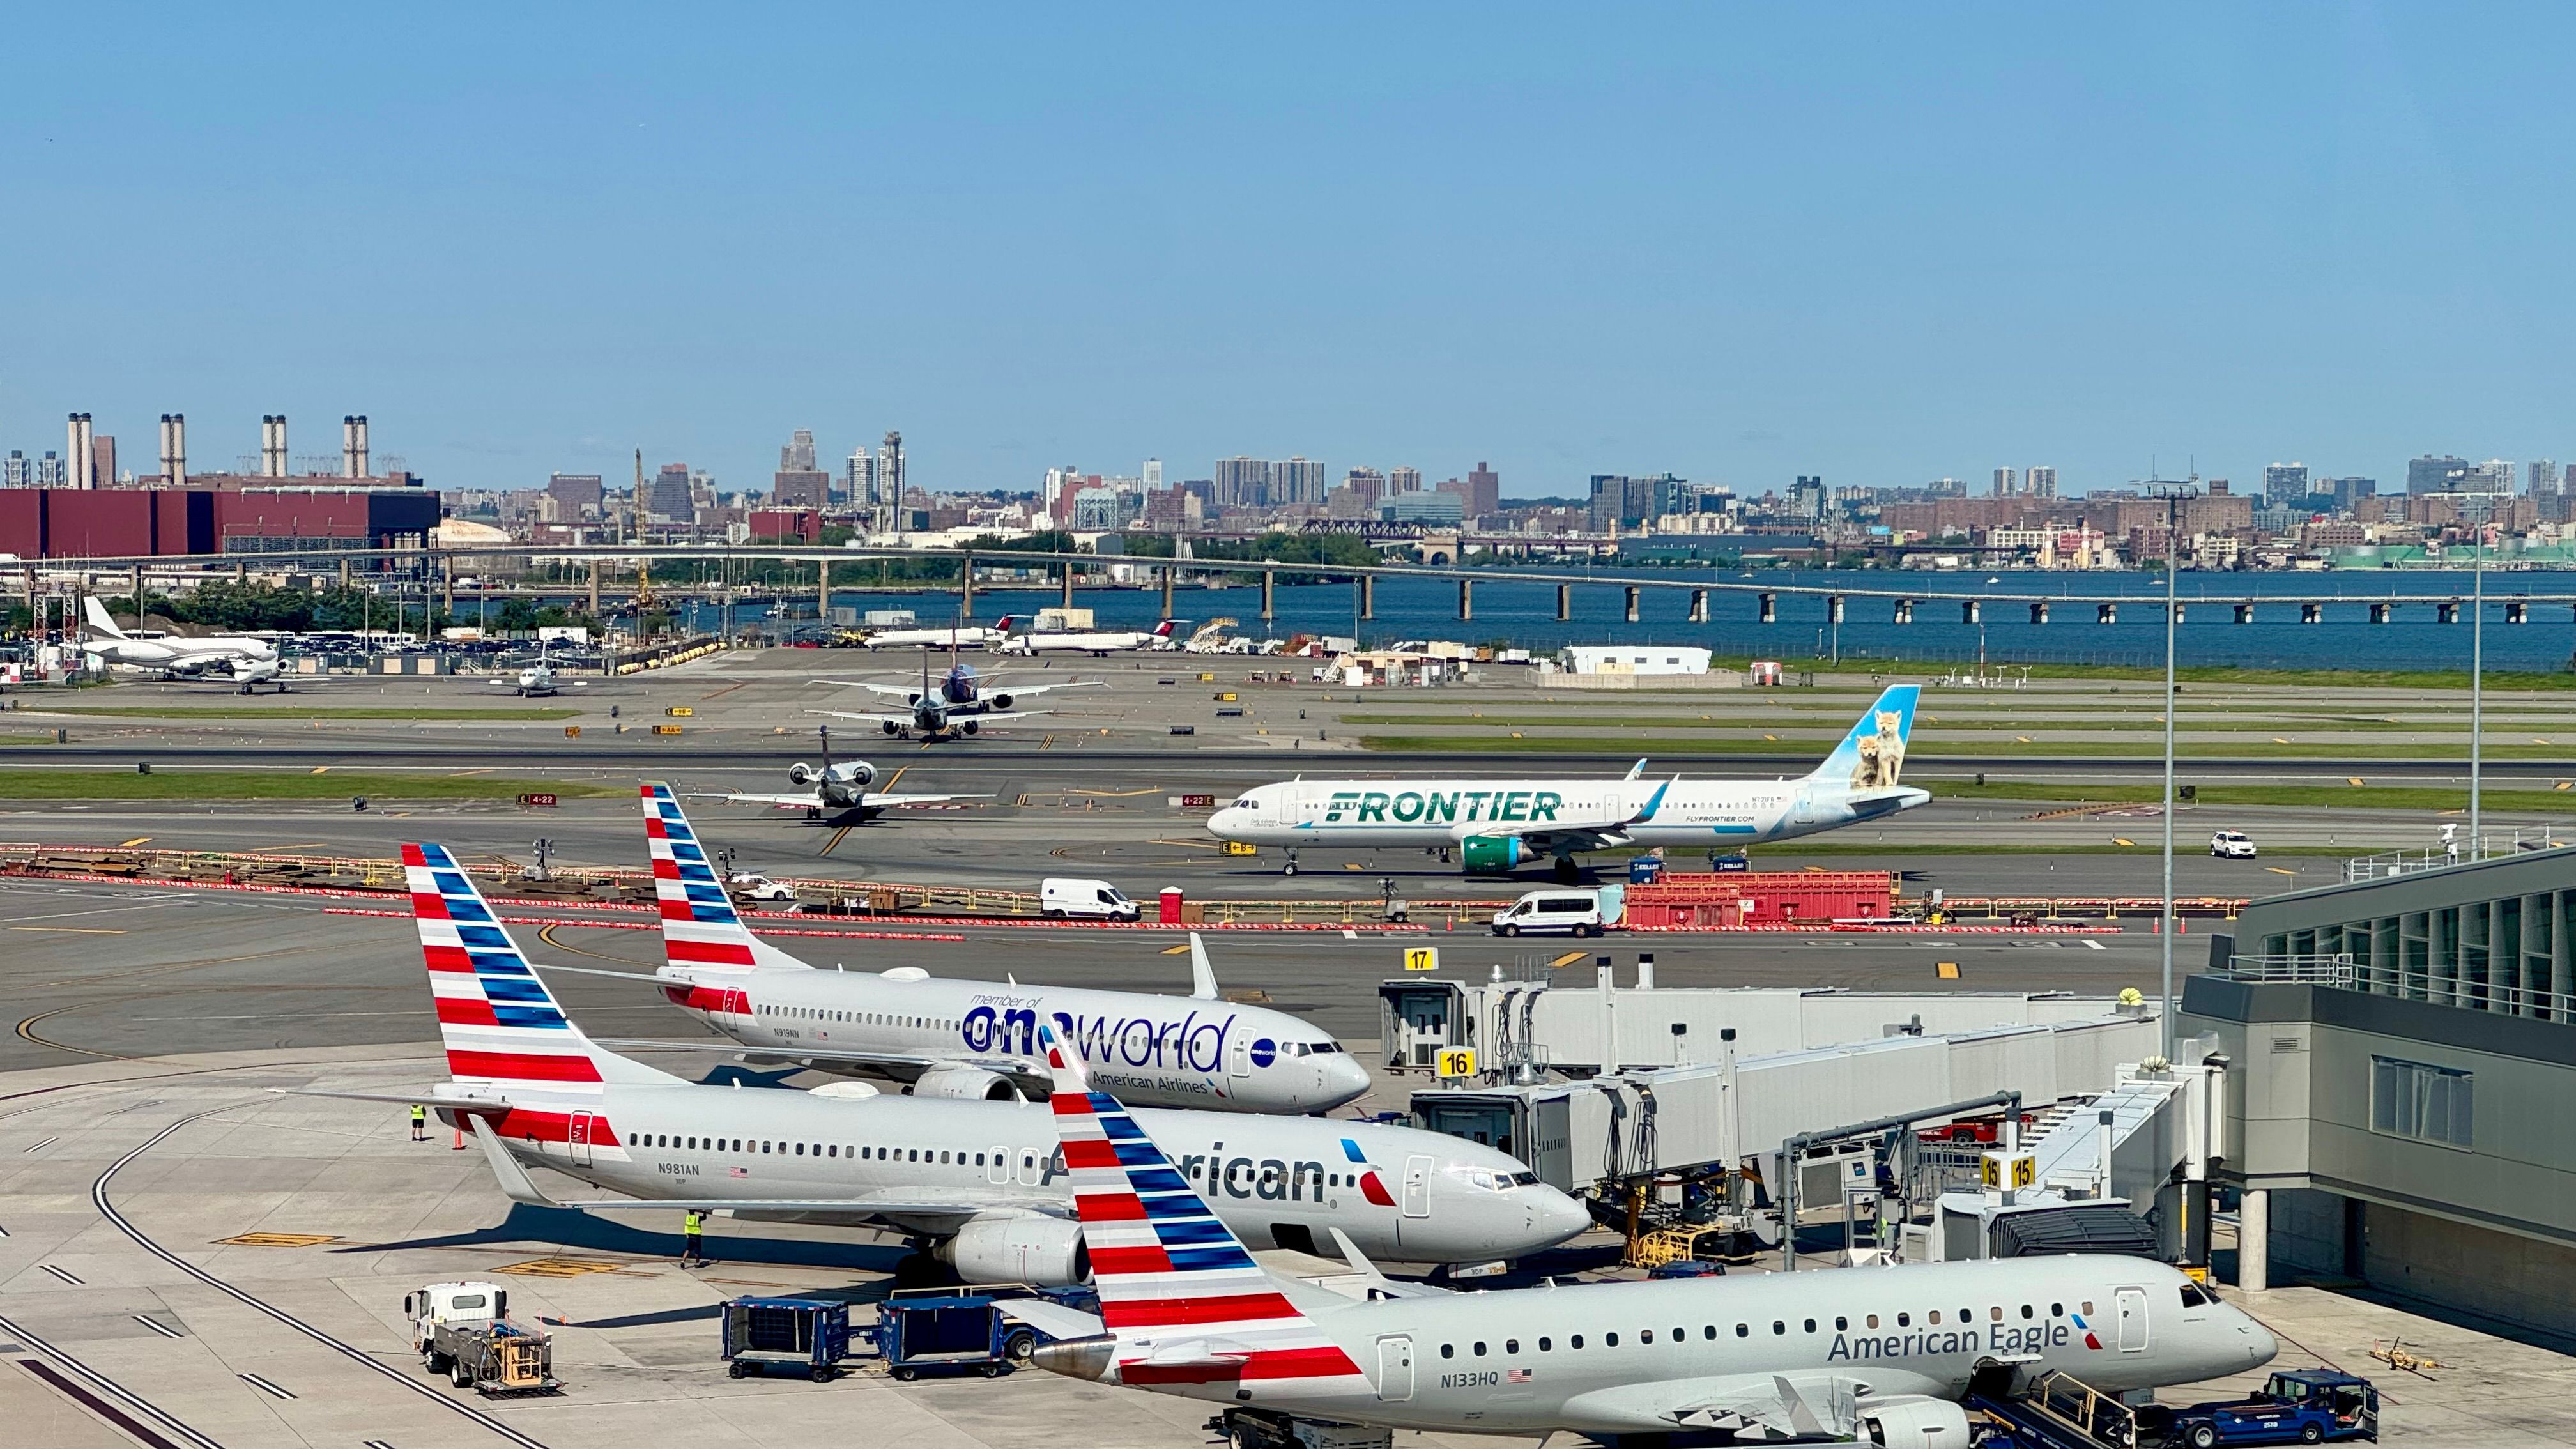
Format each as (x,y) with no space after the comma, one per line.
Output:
(948,1037)
(978,1183)
(1495,825)
(1877,1354)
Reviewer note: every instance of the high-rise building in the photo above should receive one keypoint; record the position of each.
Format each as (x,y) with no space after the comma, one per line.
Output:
(1241,482)
(1367,485)
(1403,480)
(891,481)
(2003,484)
(1484,490)
(2285,481)
(1807,495)
(2347,491)
(859,479)
(2429,474)
(50,472)
(577,496)
(1298,480)
(17,471)
(2495,475)
(2541,478)
(798,455)
(1152,475)
(2041,482)
(668,499)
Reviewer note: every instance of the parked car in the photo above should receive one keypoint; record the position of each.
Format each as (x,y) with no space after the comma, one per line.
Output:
(2231,845)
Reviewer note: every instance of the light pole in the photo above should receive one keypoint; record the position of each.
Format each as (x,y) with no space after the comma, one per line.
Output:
(2174,495)
(2477,683)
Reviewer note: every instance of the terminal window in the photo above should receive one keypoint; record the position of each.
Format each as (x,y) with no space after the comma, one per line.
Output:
(2427,1103)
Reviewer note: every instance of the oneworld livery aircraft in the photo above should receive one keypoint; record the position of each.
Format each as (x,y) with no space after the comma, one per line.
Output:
(1496,825)
(1879,1355)
(979,1184)
(948,1037)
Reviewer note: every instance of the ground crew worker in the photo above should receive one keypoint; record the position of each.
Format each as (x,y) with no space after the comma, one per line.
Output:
(692,1229)
(419,1123)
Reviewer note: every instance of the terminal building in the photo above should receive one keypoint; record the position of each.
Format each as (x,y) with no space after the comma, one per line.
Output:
(2404,1050)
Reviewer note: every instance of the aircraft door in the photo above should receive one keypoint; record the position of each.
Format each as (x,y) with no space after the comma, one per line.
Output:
(1417,1186)
(2131,1309)
(998,1169)
(1395,1368)
(1238,1061)
(577,1138)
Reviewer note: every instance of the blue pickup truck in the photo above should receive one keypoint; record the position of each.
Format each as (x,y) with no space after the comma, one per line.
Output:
(2306,1406)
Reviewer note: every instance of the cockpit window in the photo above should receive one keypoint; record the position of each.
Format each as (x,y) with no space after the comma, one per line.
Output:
(1500,1181)
(2193,1295)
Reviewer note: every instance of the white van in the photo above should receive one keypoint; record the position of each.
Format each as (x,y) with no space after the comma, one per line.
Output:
(1576,913)
(1062,896)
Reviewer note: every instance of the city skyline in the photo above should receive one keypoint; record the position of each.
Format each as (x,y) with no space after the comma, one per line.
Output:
(2230,227)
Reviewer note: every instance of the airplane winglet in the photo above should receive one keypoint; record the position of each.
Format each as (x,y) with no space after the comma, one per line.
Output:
(1636,769)
(1202,975)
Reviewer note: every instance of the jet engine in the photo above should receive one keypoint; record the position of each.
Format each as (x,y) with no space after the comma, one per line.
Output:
(1001,701)
(850,772)
(892,727)
(969,726)
(1912,1422)
(1018,1249)
(1491,854)
(972,1084)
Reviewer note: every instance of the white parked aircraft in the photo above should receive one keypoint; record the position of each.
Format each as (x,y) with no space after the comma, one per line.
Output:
(948,636)
(835,789)
(1881,1355)
(1495,825)
(956,704)
(960,1038)
(978,1181)
(1097,644)
(539,679)
(244,659)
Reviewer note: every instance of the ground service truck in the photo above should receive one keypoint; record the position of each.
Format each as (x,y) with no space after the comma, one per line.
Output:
(463,1330)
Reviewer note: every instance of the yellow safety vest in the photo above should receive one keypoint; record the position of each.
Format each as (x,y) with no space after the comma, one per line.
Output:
(692,1220)
(420,1114)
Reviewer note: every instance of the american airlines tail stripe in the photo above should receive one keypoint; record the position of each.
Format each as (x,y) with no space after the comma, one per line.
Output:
(496,1020)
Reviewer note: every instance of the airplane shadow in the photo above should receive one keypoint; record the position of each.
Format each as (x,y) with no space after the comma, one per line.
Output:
(565,1228)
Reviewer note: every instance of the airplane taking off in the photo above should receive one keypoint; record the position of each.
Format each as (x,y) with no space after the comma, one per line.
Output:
(1495,825)
(837,790)
(950,637)
(978,1182)
(243,659)
(1098,645)
(963,1038)
(1880,1355)
(957,703)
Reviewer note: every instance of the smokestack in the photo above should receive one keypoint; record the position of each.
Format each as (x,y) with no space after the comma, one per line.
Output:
(174,449)
(272,445)
(348,445)
(84,463)
(362,470)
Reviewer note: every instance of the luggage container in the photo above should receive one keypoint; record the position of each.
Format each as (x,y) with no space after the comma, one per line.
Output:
(809,1335)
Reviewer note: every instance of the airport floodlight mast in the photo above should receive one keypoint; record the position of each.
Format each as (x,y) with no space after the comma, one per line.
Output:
(2477,683)
(2174,496)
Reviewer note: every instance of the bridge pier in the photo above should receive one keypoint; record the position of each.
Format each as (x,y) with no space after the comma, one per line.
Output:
(2517,611)
(2106,613)
(138,596)
(1771,609)
(966,587)
(594,589)
(1904,611)
(2244,613)
(822,593)
(1068,585)
(1167,590)
(2314,614)
(1269,595)
(1565,601)
(1368,596)
(2039,612)
(1632,603)
(344,573)
(1971,611)
(1699,606)
(1466,598)
(447,585)
(1833,608)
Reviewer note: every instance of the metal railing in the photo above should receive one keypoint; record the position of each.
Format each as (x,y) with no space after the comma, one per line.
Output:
(2410,983)
(2489,844)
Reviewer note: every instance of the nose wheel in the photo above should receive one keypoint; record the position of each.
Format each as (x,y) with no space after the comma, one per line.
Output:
(1291,867)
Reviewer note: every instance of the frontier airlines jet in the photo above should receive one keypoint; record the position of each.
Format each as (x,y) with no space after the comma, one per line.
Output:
(1881,1355)
(1495,825)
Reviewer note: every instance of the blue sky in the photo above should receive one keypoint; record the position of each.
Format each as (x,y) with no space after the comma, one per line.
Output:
(1882,243)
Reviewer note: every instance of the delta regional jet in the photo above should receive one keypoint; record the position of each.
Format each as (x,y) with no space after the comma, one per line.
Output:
(1495,825)
(1881,1355)
(980,1184)
(949,1037)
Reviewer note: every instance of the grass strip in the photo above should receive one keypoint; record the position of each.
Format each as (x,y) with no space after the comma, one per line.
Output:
(291,712)
(180,784)
(2390,797)
(1495,742)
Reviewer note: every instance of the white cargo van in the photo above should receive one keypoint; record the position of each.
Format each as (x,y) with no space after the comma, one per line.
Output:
(1574,913)
(1096,899)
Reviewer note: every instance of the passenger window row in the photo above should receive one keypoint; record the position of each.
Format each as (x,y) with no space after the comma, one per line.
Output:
(749,1147)
(1779,1326)
(866,1018)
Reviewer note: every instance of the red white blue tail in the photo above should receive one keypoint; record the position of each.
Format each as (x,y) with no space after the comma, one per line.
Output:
(1185,1301)
(501,1027)
(700,929)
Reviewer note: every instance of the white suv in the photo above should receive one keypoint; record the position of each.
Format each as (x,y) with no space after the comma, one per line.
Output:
(2231,845)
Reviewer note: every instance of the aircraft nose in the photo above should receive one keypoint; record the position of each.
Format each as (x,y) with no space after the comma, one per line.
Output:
(2260,1345)
(1561,1217)
(1344,1078)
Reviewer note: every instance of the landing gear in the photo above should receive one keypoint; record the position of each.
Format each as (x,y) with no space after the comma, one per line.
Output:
(1291,867)
(1567,873)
